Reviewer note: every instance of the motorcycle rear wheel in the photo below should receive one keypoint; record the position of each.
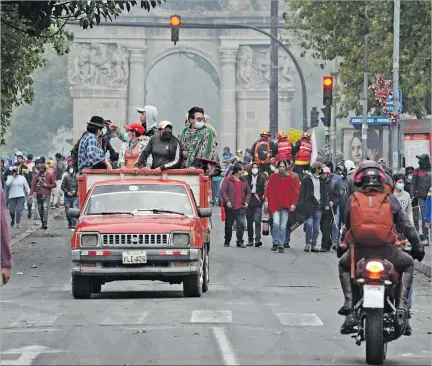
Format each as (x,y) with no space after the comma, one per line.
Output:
(374,334)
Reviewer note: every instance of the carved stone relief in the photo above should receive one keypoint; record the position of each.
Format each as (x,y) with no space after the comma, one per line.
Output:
(98,65)
(253,67)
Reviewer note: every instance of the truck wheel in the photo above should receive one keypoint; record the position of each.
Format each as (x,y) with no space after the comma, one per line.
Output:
(96,287)
(193,285)
(81,287)
(206,272)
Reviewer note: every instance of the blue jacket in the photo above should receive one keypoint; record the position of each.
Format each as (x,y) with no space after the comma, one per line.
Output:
(427,217)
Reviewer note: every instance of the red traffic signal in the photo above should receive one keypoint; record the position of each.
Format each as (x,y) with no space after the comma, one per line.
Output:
(175,21)
(327,90)
(328,81)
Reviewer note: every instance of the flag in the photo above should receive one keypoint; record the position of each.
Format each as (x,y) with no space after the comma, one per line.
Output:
(314,154)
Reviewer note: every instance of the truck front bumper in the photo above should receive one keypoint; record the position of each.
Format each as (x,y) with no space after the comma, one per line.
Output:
(160,262)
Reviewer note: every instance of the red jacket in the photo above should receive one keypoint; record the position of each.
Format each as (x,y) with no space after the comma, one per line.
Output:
(45,189)
(281,192)
(228,190)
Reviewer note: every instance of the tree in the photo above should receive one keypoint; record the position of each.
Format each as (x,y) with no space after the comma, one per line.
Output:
(336,29)
(29,28)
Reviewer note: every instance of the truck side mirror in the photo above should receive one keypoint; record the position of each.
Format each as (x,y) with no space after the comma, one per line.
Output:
(204,212)
(74,212)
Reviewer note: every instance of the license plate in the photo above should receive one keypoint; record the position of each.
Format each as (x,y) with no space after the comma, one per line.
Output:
(134,257)
(373,296)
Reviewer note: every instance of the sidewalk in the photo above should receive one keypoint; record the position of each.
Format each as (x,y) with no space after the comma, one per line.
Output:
(425,265)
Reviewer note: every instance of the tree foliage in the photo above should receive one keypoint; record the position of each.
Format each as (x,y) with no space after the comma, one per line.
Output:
(29,28)
(336,29)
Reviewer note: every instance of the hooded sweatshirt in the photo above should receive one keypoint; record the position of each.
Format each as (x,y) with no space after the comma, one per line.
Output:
(151,116)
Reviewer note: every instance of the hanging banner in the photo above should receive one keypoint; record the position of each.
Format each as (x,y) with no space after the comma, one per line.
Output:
(416,144)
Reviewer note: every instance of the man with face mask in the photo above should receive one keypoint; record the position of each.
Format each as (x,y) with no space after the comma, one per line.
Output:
(70,189)
(165,149)
(198,140)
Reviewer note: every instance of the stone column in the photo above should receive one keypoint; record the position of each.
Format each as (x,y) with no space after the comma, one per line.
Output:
(228,103)
(137,89)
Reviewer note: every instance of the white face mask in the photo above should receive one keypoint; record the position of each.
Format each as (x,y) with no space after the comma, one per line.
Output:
(199,125)
(104,131)
(71,171)
(255,171)
(400,186)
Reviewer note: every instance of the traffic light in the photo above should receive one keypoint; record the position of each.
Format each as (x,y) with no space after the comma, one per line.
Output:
(314,117)
(326,120)
(175,22)
(327,90)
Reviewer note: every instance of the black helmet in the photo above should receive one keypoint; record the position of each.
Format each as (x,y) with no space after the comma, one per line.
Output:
(369,174)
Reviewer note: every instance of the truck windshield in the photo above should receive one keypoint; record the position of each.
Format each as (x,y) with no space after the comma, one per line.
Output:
(125,198)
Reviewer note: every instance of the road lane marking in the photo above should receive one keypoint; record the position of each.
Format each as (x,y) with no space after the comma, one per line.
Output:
(227,353)
(27,354)
(124,319)
(211,316)
(32,330)
(34,320)
(299,319)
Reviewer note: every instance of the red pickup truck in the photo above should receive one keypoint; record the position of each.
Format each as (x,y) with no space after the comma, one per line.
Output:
(138,226)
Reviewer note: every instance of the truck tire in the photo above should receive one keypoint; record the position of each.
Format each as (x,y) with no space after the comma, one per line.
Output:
(193,284)
(206,272)
(374,334)
(96,287)
(81,287)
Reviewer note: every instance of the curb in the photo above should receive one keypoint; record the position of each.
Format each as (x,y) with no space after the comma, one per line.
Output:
(31,230)
(423,268)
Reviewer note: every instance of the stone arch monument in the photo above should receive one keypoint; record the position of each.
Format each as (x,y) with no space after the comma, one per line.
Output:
(109,64)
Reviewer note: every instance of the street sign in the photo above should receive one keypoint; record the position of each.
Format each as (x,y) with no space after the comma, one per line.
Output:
(390,104)
(373,120)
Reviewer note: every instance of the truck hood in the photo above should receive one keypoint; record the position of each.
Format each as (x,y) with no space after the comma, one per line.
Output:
(155,224)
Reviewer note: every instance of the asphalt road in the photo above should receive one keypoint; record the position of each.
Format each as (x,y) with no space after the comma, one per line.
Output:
(261,308)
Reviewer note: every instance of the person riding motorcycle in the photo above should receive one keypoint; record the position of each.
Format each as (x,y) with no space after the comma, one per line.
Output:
(370,217)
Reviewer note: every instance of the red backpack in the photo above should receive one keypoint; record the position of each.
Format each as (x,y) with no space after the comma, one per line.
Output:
(262,152)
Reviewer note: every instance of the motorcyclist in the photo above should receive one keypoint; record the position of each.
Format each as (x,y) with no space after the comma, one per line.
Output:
(372,225)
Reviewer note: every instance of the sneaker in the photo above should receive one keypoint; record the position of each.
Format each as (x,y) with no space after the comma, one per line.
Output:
(307,248)
(274,248)
(286,245)
(281,250)
(258,244)
(12,223)
(44,227)
(250,243)
(241,245)
(226,244)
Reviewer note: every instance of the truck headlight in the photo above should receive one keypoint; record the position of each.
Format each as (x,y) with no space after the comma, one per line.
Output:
(89,240)
(180,239)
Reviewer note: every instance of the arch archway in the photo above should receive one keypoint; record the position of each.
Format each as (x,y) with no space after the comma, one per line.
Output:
(174,90)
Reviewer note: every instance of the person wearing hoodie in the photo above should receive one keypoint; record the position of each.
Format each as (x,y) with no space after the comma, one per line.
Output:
(280,199)
(69,186)
(312,186)
(257,183)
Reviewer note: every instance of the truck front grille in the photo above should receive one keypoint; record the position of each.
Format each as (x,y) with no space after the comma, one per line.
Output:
(135,239)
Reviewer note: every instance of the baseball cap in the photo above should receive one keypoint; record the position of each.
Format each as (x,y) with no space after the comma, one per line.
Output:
(165,124)
(140,110)
(135,127)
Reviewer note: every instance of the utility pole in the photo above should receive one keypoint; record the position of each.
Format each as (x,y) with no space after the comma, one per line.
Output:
(365,90)
(333,135)
(274,71)
(395,135)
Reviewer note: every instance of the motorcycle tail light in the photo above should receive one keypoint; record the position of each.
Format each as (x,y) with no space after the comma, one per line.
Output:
(374,269)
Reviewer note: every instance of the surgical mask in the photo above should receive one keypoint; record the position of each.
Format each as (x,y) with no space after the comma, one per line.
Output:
(166,135)
(409,177)
(255,171)
(71,171)
(400,186)
(104,131)
(199,125)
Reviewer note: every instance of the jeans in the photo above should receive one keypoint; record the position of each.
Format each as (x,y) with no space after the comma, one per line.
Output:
(280,220)
(43,202)
(71,202)
(425,230)
(254,216)
(57,194)
(335,227)
(313,227)
(16,208)
(237,216)
(410,298)
(215,187)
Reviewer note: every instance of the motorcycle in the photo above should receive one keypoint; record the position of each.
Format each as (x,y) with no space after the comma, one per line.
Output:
(379,322)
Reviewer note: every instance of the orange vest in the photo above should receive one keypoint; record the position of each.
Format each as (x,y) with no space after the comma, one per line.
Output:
(304,154)
(284,150)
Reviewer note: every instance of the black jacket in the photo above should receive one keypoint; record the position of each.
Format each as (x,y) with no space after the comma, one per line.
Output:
(166,153)
(333,193)
(260,189)
(69,184)
(421,182)
(307,191)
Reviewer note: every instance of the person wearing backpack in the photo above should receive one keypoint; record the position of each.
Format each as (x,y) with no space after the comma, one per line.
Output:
(303,154)
(263,151)
(284,147)
(371,216)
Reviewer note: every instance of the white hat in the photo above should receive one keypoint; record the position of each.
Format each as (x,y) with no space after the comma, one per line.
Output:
(19,153)
(140,110)
(165,124)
